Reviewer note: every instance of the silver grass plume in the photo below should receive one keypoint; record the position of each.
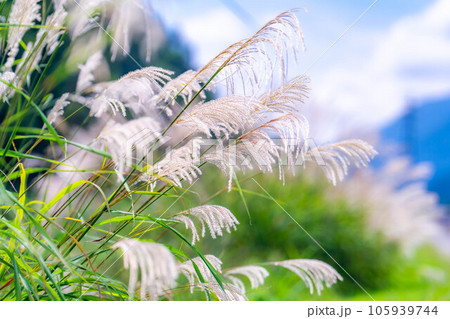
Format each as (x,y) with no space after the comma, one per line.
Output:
(86,76)
(129,18)
(291,128)
(23,12)
(184,86)
(313,273)
(213,217)
(58,109)
(258,148)
(5,90)
(133,90)
(156,264)
(178,165)
(188,270)
(122,139)
(224,116)
(53,30)
(287,97)
(55,20)
(336,158)
(255,274)
(46,38)
(238,56)
(232,114)
(229,292)
(249,58)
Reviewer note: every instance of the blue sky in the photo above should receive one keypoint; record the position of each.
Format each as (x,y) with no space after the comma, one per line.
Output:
(396,53)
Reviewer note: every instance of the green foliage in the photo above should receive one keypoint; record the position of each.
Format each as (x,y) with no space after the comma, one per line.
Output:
(43,255)
(335,225)
(339,228)
(270,234)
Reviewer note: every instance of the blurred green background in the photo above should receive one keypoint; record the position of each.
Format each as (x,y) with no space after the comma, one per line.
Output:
(328,227)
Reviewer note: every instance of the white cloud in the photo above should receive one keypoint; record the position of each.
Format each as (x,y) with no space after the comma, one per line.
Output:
(411,64)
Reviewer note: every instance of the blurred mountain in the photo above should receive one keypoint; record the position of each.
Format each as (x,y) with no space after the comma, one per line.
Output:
(423,134)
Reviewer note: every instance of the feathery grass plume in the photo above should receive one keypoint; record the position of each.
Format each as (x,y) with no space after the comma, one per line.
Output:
(133,91)
(56,22)
(185,85)
(58,109)
(226,293)
(121,139)
(251,61)
(129,19)
(336,158)
(227,115)
(397,203)
(232,114)
(258,148)
(47,39)
(287,97)
(50,35)
(214,216)
(188,270)
(24,13)
(313,272)
(178,165)
(156,264)
(255,274)
(291,128)
(86,76)
(6,91)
